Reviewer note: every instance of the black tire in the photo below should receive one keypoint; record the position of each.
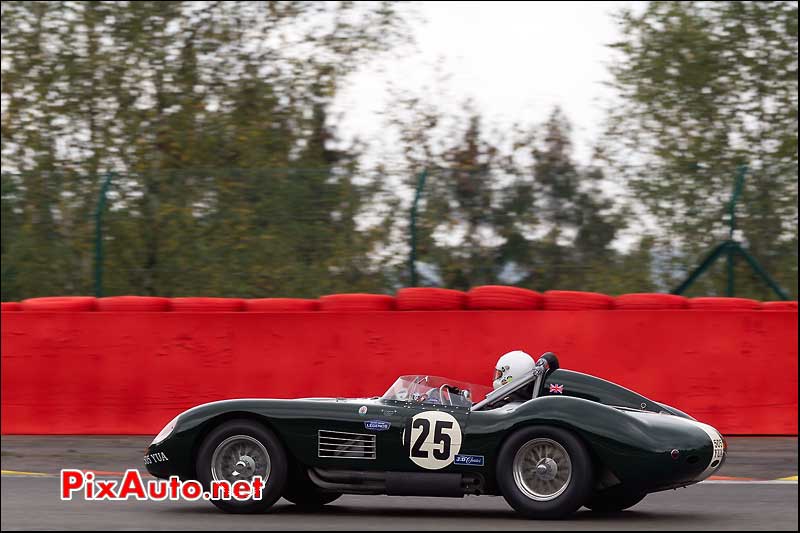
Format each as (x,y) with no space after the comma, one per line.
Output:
(277,474)
(575,490)
(301,491)
(614,499)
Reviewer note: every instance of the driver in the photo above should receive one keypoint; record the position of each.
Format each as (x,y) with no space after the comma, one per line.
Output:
(513,365)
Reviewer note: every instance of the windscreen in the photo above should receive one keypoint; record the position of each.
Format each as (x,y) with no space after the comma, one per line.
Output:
(425,389)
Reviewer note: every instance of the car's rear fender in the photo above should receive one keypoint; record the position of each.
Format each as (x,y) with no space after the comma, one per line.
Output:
(634,446)
(579,385)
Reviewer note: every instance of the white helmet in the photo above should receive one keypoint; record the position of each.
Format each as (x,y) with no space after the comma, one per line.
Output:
(512,365)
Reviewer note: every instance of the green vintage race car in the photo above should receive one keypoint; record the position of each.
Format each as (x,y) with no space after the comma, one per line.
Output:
(550,443)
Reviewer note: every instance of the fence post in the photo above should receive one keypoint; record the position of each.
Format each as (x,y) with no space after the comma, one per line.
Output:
(412,259)
(98,237)
(731,247)
(737,191)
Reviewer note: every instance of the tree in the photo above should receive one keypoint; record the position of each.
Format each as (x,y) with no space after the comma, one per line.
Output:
(186,103)
(705,87)
(458,227)
(525,215)
(574,212)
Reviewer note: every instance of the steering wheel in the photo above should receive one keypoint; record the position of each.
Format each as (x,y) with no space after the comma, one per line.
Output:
(412,389)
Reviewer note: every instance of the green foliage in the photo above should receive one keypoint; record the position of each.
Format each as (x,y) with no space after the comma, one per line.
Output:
(158,92)
(705,87)
(530,216)
(229,179)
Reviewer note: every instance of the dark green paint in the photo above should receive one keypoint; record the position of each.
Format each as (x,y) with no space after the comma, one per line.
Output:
(628,440)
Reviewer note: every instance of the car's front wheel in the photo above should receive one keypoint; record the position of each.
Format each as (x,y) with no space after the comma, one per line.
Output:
(240,450)
(544,472)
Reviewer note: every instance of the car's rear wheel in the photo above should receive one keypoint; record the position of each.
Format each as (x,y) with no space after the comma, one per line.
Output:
(614,499)
(240,450)
(544,472)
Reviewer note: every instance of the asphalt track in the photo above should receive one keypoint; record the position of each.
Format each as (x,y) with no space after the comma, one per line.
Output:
(747,495)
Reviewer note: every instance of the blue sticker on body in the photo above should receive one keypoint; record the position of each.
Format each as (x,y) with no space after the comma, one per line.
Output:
(469,460)
(377,425)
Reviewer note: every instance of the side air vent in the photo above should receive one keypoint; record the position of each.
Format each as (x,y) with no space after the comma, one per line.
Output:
(342,445)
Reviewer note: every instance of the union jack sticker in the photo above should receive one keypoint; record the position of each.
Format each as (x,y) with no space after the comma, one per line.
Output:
(556,389)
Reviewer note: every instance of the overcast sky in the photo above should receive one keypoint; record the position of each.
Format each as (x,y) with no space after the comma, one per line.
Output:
(516,60)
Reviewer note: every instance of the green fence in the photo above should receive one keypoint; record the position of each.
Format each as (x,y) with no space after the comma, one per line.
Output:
(307,232)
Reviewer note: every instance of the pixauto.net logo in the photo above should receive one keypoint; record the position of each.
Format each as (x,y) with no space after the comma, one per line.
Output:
(76,483)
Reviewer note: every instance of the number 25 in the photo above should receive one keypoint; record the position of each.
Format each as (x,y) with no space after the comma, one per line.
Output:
(439,437)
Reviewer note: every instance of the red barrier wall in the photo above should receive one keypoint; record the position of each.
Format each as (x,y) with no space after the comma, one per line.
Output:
(131,372)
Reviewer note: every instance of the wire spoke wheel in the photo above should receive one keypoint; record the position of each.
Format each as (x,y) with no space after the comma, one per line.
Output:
(240,458)
(240,450)
(542,469)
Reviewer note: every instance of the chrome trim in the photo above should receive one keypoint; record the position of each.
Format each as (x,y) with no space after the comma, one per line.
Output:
(341,439)
(441,395)
(537,373)
(345,433)
(337,445)
(346,444)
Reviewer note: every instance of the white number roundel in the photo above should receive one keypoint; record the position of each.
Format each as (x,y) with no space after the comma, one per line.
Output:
(433,440)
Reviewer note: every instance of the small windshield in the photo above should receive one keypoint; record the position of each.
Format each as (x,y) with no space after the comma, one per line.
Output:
(436,390)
